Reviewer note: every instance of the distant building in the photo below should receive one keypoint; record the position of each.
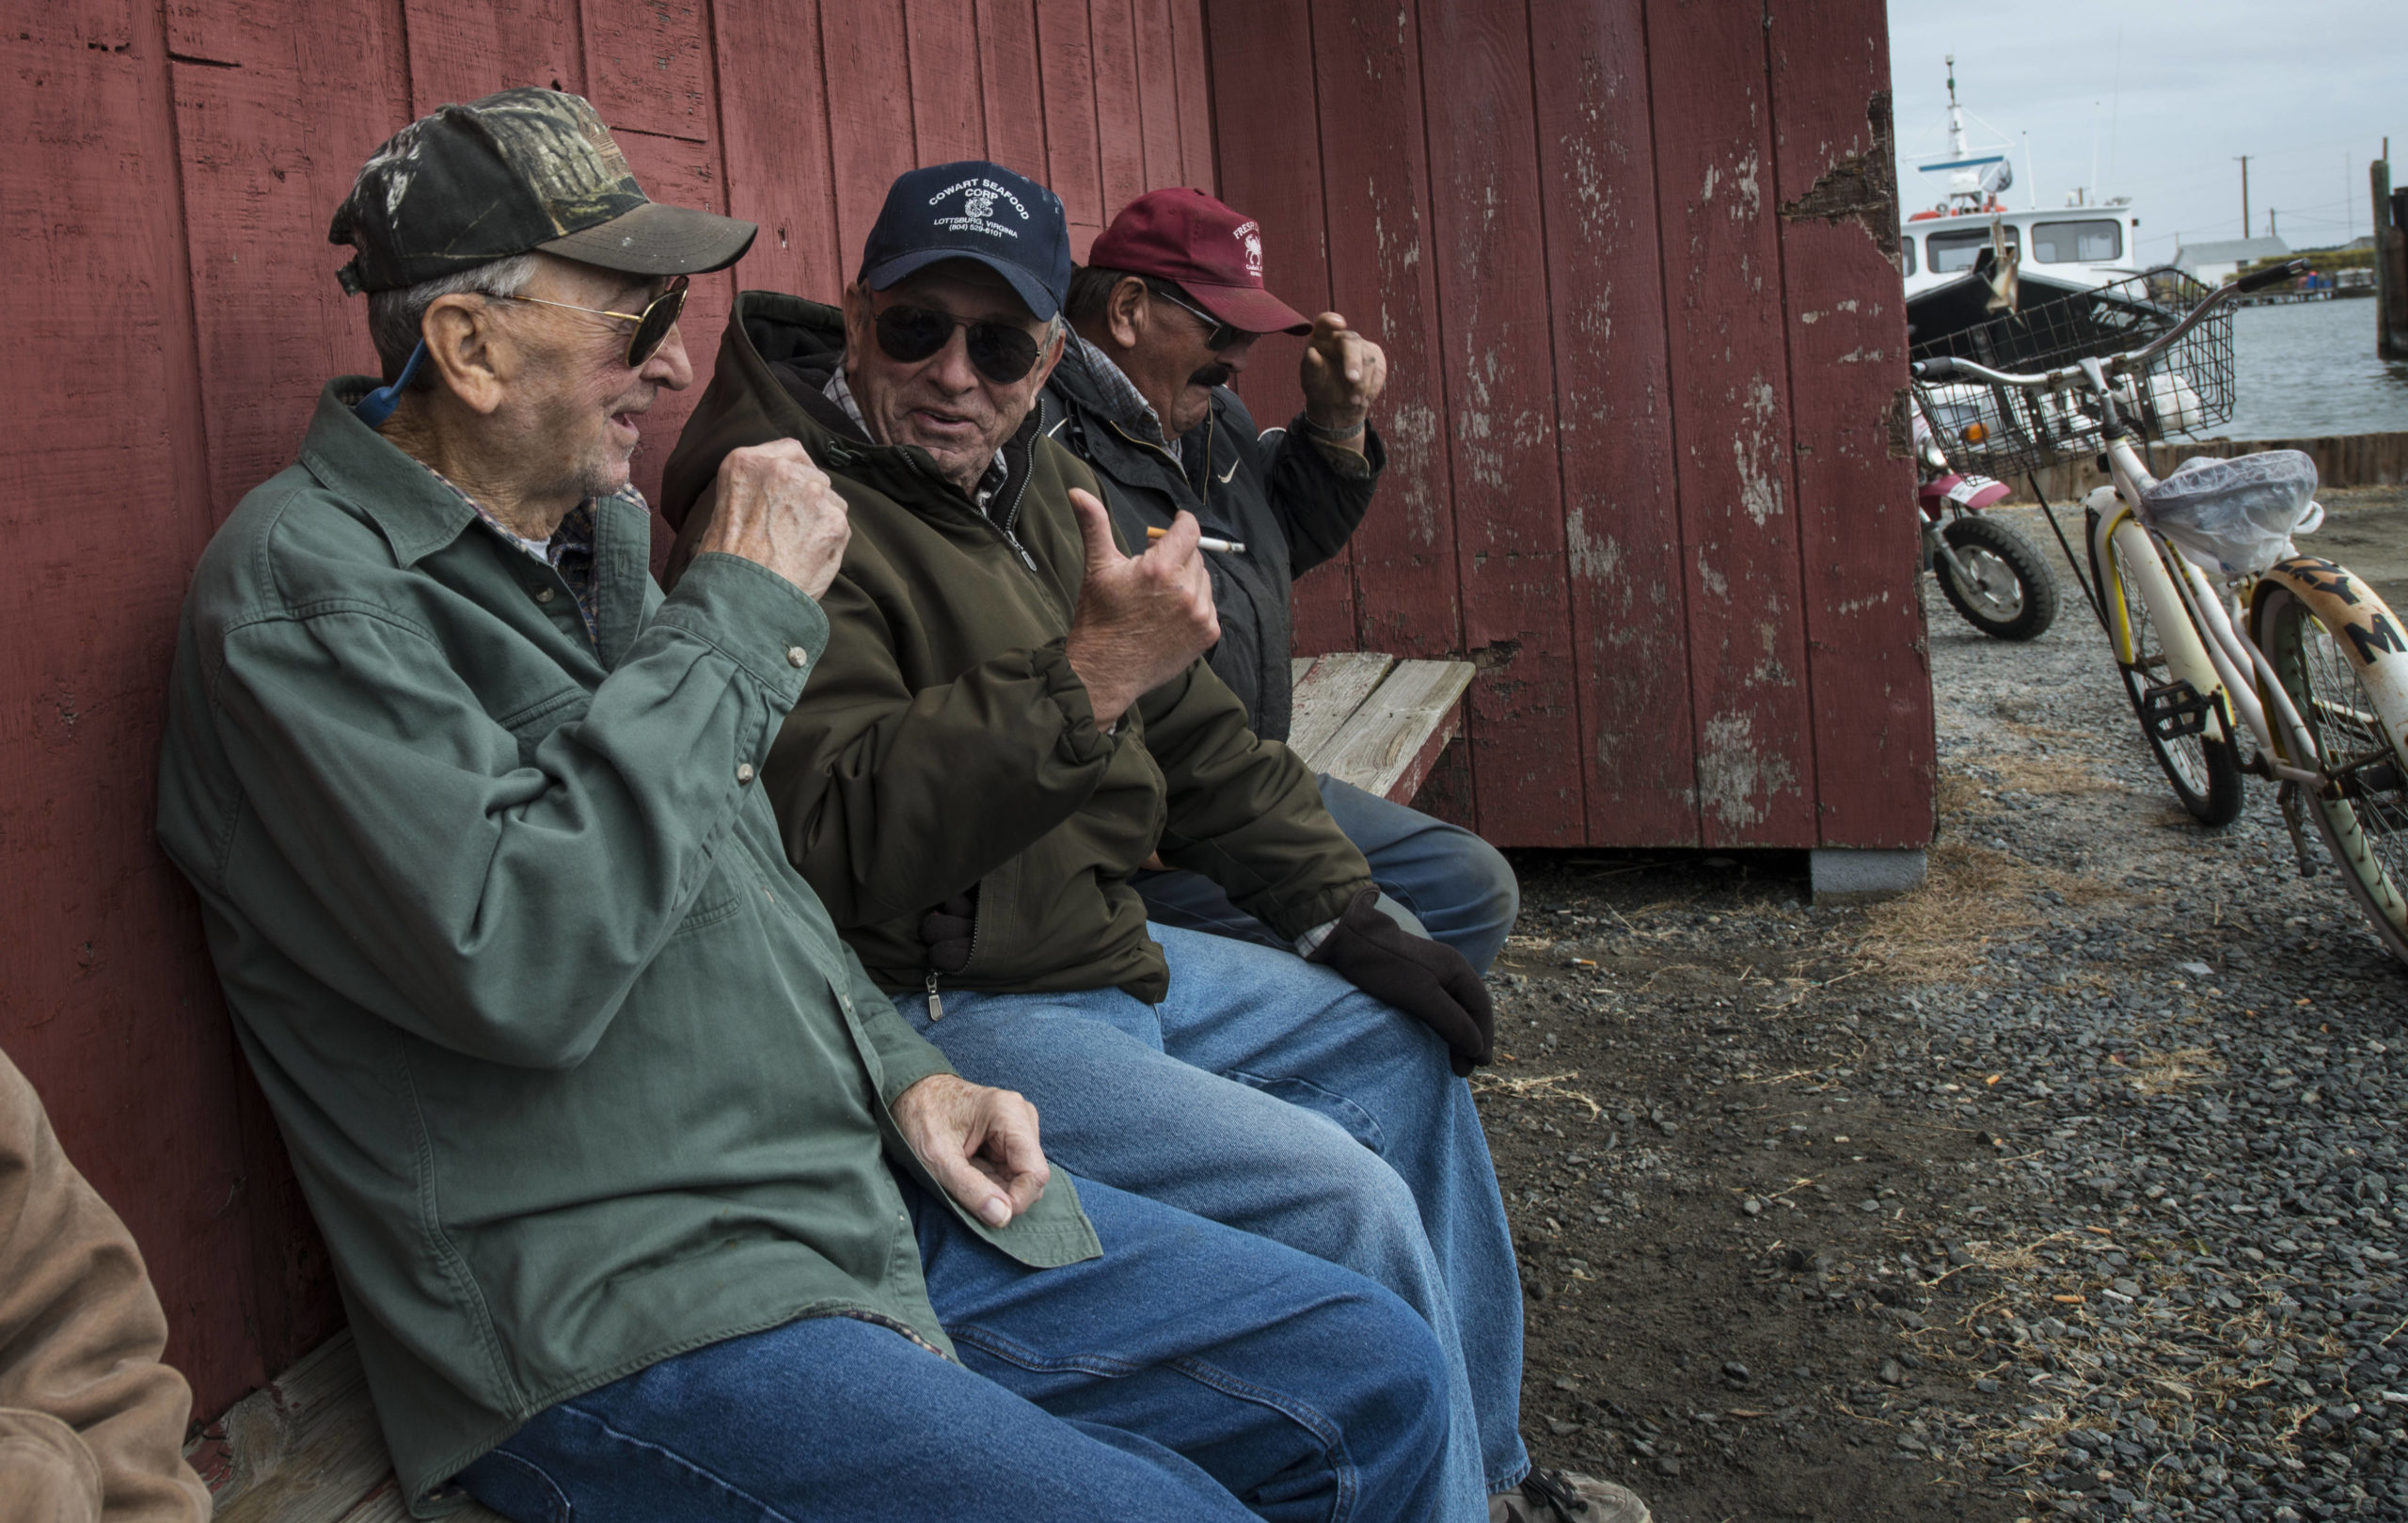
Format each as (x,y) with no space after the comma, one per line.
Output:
(2215,263)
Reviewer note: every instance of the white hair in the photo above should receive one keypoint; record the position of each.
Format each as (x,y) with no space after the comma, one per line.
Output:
(394,316)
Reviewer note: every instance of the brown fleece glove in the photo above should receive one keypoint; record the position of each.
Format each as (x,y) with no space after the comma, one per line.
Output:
(1427,981)
(948,929)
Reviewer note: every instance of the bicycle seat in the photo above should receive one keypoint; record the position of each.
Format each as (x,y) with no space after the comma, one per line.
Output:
(2241,513)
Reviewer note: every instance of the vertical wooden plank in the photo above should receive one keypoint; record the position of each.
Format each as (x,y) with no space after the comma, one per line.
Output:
(461,49)
(1870,668)
(1613,420)
(1194,71)
(1015,98)
(1730,434)
(947,114)
(1157,93)
(869,112)
(107,1001)
(648,67)
(279,105)
(1500,410)
(1119,136)
(1262,70)
(1381,277)
(774,119)
(1066,64)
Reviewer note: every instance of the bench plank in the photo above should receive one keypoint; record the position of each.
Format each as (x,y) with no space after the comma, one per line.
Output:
(305,1448)
(1388,745)
(1328,693)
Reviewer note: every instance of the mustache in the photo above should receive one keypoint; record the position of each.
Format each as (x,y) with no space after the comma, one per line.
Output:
(1210,375)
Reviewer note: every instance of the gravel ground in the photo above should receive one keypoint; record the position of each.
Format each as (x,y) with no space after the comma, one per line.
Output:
(2068,1184)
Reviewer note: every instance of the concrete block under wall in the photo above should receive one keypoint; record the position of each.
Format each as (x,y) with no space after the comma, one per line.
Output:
(1850,875)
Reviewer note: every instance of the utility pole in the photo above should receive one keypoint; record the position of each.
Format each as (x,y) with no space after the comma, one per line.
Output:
(2244,160)
(2273,215)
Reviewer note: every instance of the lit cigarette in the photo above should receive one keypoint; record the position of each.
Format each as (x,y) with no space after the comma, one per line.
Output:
(1226,547)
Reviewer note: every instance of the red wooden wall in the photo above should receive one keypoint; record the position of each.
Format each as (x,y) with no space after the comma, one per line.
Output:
(173,168)
(1630,262)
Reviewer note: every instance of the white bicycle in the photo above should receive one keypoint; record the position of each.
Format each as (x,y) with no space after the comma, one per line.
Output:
(2273,664)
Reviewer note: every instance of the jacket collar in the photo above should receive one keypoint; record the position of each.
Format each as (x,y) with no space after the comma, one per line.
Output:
(410,506)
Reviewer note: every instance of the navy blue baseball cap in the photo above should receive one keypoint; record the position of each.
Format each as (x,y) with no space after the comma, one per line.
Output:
(977,211)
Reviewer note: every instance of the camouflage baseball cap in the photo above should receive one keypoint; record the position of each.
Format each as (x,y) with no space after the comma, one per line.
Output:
(517,172)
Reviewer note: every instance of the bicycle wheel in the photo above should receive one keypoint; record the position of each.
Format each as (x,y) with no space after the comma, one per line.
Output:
(2363,816)
(2012,596)
(2204,770)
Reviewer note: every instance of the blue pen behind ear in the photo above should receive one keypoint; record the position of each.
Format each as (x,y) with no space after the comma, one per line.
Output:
(377,406)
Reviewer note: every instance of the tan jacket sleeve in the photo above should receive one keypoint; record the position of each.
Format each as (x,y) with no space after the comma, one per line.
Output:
(87,1413)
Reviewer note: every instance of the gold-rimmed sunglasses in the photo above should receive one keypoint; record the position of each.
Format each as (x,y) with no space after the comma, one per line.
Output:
(652,325)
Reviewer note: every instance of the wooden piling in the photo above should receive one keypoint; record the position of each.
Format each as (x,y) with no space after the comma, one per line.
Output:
(2390,263)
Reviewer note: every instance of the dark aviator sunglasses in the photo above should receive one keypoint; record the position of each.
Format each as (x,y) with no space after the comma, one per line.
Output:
(1001,352)
(652,325)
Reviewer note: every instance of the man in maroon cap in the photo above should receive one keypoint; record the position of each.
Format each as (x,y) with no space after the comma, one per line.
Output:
(1164,315)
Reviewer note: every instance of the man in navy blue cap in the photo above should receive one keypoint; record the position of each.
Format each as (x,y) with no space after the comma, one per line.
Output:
(1013,715)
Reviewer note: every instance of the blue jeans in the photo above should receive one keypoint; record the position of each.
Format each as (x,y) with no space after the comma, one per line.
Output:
(1192,1371)
(1272,1095)
(1460,888)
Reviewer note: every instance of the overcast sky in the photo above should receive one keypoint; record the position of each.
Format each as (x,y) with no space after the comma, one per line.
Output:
(2307,91)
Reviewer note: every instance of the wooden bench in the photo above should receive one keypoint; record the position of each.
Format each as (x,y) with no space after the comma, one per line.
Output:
(306,1448)
(1376,721)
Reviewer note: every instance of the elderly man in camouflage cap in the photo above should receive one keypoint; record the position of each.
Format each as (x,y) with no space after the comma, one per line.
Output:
(644,1201)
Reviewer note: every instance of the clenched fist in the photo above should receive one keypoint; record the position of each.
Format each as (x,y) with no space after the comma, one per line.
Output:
(1342,373)
(776,509)
(1140,619)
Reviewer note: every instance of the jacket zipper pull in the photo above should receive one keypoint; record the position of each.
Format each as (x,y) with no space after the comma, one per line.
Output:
(936,1001)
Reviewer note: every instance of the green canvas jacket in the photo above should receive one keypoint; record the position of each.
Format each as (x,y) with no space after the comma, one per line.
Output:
(574,1070)
(945,745)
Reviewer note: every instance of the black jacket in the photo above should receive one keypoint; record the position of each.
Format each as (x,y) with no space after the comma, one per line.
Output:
(1278,494)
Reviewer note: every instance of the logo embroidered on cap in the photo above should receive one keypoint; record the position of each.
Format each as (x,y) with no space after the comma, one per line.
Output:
(1250,234)
(978,199)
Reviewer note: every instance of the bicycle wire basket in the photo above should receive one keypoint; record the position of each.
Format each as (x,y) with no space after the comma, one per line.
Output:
(2009,432)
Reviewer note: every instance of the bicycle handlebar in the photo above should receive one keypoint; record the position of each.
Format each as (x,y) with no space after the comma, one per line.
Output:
(2289,270)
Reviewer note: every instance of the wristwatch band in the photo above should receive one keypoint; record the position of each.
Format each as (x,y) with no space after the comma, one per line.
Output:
(1329,435)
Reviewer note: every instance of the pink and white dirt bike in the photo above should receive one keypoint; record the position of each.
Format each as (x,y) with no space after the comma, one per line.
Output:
(1990,572)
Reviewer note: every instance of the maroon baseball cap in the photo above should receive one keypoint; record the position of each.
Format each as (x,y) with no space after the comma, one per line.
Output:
(1214,255)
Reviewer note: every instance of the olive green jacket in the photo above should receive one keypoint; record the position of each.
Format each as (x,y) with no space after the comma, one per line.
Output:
(945,743)
(574,1070)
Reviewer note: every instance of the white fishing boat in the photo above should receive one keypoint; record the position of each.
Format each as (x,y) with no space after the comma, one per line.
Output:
(2082,244)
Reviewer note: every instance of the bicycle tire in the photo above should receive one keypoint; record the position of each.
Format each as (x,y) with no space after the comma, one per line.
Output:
(2365,827)
(2205,772)
(2033,605)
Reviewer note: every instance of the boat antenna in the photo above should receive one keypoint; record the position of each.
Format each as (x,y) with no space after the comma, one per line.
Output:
(1955,113)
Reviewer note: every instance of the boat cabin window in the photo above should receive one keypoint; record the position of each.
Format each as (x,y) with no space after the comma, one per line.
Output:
(2077,242)
(1909,245)
(1954,251)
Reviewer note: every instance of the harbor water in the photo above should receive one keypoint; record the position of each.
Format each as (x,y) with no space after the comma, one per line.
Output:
(2309,370)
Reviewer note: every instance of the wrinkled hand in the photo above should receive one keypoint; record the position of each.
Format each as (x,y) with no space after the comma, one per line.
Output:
(776,509)
(1142,619)
(1342,373)
(980,1143)
(1427,981)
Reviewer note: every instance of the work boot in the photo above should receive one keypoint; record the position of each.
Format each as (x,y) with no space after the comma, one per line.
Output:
(1560,1497)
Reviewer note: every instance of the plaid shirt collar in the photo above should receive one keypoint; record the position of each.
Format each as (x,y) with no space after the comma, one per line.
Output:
(569,551)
